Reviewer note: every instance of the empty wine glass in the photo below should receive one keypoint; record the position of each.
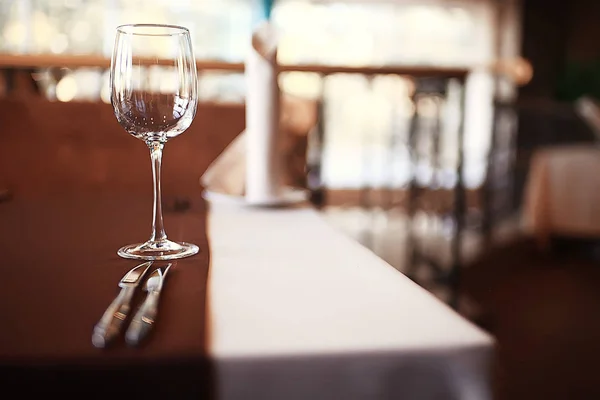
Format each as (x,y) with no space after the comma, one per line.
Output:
(154,96)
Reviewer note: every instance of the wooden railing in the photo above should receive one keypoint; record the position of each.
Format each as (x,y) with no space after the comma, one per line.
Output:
(35,61)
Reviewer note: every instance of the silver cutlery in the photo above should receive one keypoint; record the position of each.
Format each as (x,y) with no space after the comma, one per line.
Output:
(144,319)
(109,326)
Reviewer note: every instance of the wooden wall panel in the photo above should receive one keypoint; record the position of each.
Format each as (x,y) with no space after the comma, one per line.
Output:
(48,147)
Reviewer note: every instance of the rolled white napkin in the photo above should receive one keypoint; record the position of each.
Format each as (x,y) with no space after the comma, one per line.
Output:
(263,158)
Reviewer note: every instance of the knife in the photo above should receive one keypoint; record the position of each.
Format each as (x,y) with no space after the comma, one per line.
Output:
(109,326)
(142,322)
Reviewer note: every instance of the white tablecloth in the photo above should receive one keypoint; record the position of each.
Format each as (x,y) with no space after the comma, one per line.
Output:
(563,193)
(300,311)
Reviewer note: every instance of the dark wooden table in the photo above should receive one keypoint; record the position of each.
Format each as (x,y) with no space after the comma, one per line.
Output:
(59,272)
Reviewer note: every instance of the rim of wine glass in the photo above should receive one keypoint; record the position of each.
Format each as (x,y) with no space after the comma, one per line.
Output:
(126,29)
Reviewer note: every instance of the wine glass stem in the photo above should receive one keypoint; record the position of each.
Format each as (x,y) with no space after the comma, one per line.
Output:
(158,228)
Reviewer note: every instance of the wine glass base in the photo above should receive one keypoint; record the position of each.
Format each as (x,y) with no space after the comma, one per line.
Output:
(158,250)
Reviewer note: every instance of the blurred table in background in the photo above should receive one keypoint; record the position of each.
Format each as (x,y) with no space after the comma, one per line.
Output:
(563,193)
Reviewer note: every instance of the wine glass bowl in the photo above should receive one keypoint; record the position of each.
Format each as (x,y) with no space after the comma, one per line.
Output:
(160,119)
(154,94)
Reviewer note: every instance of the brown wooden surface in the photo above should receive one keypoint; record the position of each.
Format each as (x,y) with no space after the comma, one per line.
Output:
(59,273)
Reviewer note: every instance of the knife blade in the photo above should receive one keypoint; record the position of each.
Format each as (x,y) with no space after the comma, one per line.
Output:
(144,319)
(109,326)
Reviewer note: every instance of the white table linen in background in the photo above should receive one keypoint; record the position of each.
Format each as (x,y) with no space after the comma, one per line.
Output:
(562,195)
(300,311)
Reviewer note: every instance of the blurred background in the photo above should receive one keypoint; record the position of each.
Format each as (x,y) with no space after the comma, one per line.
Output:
(365,116)
(421,120)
